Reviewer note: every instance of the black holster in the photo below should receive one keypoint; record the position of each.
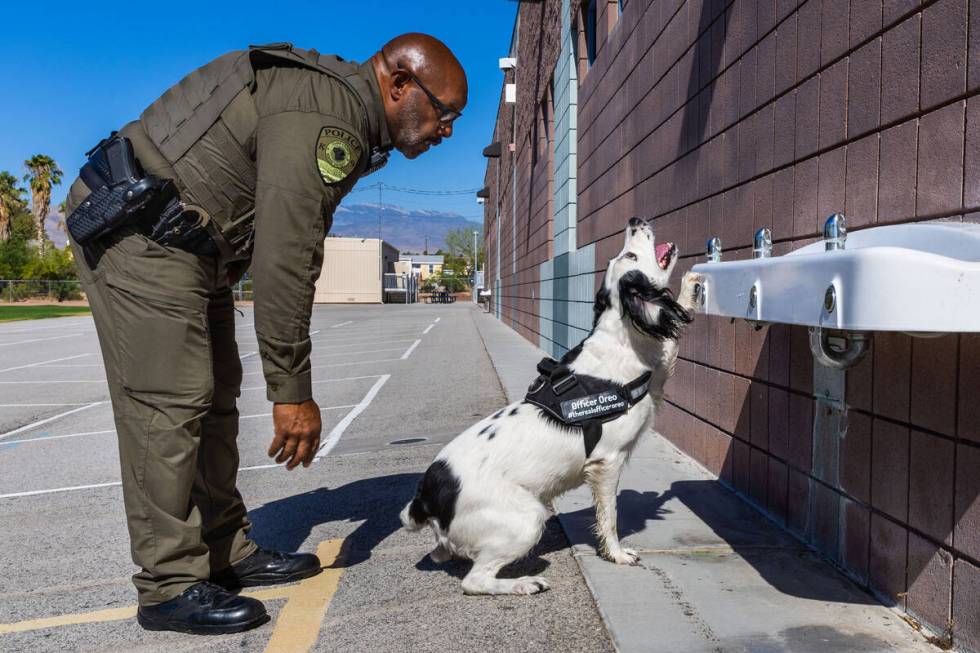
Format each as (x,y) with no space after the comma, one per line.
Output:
(120,190)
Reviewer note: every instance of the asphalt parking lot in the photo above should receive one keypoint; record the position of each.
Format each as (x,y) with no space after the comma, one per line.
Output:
(394,383)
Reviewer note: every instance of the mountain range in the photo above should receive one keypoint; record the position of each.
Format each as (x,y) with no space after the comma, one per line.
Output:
(409,230)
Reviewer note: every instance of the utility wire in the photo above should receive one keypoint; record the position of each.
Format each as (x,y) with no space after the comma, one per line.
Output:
(381,186)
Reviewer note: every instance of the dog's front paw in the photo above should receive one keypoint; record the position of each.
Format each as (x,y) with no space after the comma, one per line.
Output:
(691,281)
(692,289)
(623,556)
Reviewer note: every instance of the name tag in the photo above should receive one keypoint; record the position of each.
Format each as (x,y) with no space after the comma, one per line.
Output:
(594,406)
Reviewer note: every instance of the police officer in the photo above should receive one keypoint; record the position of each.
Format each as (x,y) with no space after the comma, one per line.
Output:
(261,144)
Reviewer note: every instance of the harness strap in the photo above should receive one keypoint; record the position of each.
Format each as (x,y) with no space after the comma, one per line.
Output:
(592,433)
(593,401)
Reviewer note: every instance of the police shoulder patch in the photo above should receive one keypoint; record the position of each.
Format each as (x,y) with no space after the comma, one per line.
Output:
(337,154)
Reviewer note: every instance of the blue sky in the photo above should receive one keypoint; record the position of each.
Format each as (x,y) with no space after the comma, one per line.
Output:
(76,70)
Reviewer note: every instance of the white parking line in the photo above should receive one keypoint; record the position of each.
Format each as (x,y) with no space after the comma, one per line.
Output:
(437,319)
(428,328)
(320,367)
(349,378)
(53,360)
(352,353)
(50,382)
(76,435)
(361,344)
(41,422)
(74,365)
(24,342)
(34,329)
(56,437)
(29,405)
(338,430)
(325,447)
(58,489)
(342,324)
(322,409)
(410,350)
(381,334)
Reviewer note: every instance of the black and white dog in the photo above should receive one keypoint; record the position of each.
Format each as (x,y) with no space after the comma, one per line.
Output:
(486,495)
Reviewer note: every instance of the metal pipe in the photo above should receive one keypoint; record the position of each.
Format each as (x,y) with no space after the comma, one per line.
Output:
(835,232)
(762,243)
(713,249)
(839,350)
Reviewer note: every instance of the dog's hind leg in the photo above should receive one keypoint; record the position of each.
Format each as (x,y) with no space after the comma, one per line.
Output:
(440,554)
(505,535)
(603,479)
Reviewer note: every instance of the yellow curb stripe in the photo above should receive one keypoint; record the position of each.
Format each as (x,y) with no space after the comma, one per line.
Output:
(298,625)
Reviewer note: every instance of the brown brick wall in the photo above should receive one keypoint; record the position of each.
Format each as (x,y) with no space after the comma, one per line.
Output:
(537,51)
(717,118)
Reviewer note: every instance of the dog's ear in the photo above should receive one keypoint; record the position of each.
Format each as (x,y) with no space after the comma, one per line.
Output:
(652,310)
(602,303)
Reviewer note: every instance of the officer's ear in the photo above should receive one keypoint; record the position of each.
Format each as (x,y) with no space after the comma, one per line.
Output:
(652,310)
(400,81)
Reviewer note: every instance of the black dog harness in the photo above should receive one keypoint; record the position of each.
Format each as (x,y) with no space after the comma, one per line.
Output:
(582,400)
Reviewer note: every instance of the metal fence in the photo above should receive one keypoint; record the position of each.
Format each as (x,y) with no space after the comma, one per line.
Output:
(19,290)
(242,291)
(401,288)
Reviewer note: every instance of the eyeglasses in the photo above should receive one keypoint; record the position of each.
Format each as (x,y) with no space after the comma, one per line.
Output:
(446,114)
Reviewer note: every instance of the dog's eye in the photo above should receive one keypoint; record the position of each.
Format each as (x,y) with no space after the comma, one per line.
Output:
(630,255)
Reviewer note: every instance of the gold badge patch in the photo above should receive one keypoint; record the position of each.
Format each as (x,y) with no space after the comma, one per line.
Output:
(337,153)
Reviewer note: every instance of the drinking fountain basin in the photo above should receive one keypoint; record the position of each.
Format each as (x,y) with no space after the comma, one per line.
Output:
(915,278)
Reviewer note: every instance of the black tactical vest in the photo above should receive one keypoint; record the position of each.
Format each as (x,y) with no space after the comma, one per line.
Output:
(183,114)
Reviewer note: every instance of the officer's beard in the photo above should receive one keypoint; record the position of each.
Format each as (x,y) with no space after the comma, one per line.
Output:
(411,136)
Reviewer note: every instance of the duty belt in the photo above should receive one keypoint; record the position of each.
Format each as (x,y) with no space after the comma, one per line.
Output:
(583,401)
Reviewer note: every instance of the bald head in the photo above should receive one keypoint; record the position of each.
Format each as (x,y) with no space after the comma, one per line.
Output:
(424,90)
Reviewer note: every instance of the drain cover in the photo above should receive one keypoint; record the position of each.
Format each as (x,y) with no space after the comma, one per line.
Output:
(408,441)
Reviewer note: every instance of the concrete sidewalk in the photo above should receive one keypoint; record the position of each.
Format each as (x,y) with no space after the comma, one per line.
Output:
(715,575)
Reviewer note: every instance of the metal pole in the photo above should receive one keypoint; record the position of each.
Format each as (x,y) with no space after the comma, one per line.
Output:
(475,258)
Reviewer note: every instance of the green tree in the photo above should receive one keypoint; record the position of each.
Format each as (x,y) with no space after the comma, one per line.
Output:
(11,200)
(15,255)
(42,173)
(459,242)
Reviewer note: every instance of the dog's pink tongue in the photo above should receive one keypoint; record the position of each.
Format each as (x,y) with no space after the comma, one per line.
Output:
(662,250)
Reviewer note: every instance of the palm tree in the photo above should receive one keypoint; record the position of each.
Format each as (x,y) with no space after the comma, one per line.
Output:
(10,198)
(63,225)
(43,173)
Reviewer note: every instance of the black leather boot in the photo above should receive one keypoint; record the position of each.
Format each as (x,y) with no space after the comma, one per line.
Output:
(204,609)
(268,567)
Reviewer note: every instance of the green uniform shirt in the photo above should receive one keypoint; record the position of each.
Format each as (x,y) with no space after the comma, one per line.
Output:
(292,146)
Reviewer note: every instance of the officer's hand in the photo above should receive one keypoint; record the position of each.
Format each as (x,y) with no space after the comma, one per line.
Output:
(297,428)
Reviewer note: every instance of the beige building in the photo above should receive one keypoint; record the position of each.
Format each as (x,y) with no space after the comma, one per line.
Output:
(353,270)
(422,266)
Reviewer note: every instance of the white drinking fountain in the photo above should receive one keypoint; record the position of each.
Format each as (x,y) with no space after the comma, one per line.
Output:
(920,279)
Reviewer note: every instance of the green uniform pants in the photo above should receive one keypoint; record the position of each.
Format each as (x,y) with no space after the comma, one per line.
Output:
(165,320)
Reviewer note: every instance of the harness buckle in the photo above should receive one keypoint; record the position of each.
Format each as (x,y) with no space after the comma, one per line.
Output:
(564,383)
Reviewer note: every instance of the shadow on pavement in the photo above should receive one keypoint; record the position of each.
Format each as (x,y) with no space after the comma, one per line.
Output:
(779,559)
(286,523)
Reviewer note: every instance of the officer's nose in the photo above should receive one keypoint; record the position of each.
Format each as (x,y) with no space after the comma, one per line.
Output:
(445,129)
